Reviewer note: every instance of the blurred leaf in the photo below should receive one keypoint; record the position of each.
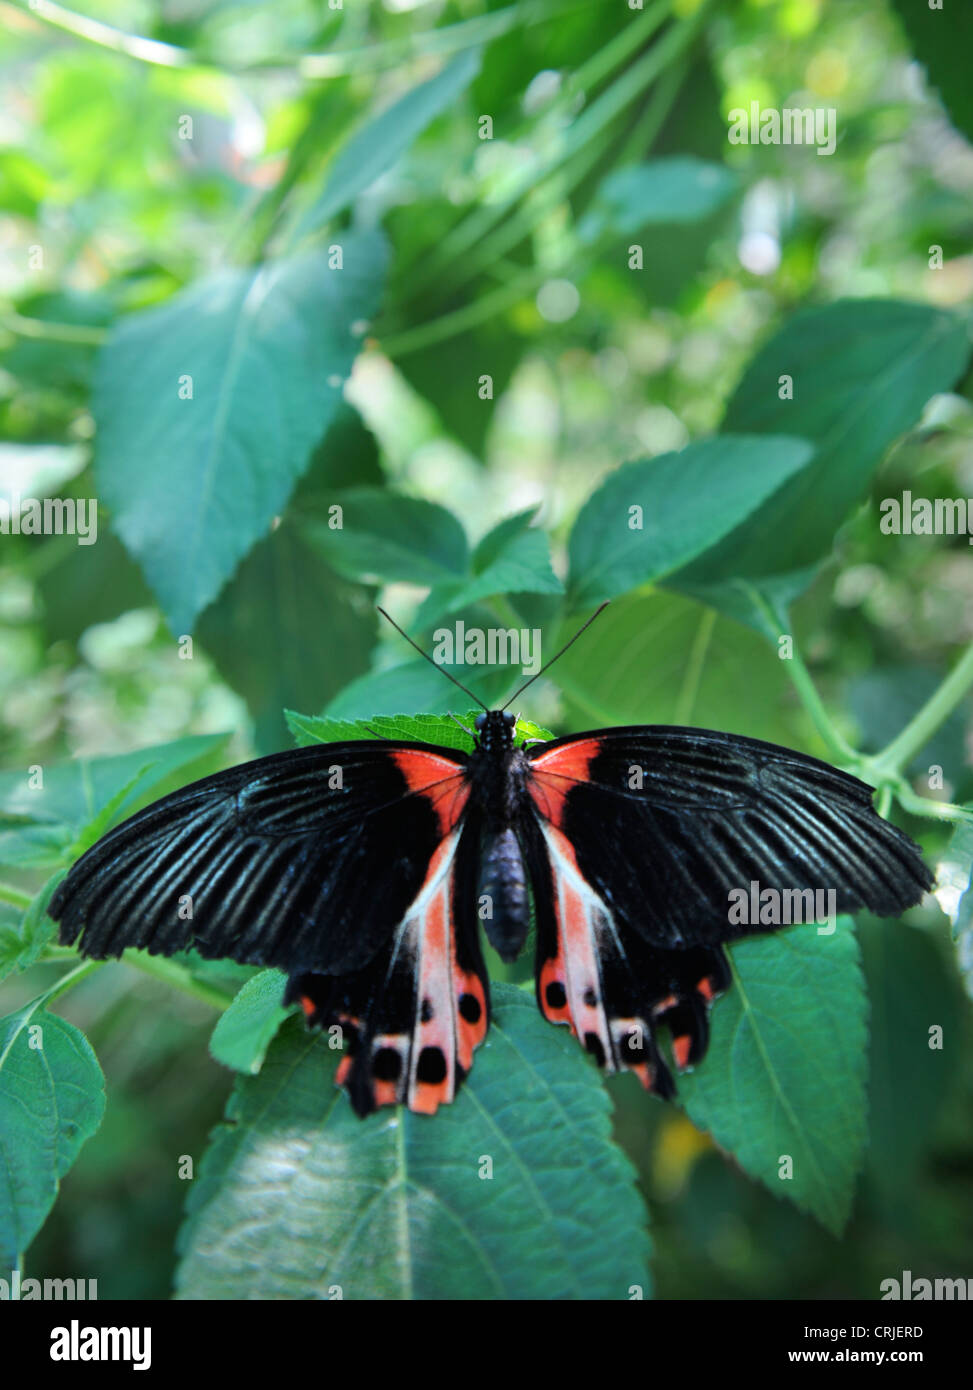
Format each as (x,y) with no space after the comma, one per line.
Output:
(298,1197)
(20,949)
(416,685)
(942,40)
(954,892)
(662,659)
(346,457)
(64,366)
(266,635)
(247,1028)
(52,1099)
(910,991)
(676,189)
(378,145)
(75,793)
(785,1072)
(683,503)
(862,371)
(390,537)
(267,351)
(448,373)
(80,589)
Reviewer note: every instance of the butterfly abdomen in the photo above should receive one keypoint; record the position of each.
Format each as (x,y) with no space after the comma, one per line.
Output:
(502,898)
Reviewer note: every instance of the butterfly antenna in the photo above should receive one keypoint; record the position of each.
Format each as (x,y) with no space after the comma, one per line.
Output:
(569,643)
(442,669)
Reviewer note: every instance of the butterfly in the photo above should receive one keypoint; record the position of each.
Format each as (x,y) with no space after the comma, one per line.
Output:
(365,871)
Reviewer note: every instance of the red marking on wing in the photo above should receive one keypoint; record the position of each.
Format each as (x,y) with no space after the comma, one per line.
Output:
(438,779)
(554,774)
(308,1005)
(469,1034)
(575,966)
(434,990)
(705,988)
(680,1049)
(436,1025)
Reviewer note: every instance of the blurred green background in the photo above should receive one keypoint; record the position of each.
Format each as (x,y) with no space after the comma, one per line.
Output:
(492,270)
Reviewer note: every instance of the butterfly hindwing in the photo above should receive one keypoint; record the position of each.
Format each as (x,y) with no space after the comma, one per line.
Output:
(640,836)
(413,1016)
(605,982)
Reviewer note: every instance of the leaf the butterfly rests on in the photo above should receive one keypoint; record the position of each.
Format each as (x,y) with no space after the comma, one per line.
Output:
(363,869)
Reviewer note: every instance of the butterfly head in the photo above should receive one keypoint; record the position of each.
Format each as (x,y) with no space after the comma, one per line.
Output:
(495,729)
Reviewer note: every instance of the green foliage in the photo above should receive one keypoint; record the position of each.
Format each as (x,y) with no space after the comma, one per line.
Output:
(44,1060)
(685,503)
(783,1088)
(426,371)
(225,439)
(297,1194)
(248,1027)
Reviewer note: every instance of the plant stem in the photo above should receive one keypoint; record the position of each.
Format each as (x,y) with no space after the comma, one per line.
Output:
(164,55)
(911,801)
(451,38)
(176,975)
(10,894)
(937,709)
(86,334)
(800,677)
(68,981)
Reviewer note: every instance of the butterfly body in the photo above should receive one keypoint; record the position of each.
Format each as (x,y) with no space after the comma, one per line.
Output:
(367,870)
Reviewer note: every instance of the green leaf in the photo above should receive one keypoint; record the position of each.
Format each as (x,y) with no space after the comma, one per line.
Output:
(910,989)
(298,1198)
(785,1072)
(513,558)
(52,1099)
(378,145)
(267,351)
(44,822)
(416,685)
(247,1028)
(385,536)
(36,930)
(686,502)
(659,658)
(273,606)
(677,189)
(942,39)
(862,371)
(407,728)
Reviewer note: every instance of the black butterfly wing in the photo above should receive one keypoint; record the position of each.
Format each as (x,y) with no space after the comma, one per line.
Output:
(333,863)
(644,832)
